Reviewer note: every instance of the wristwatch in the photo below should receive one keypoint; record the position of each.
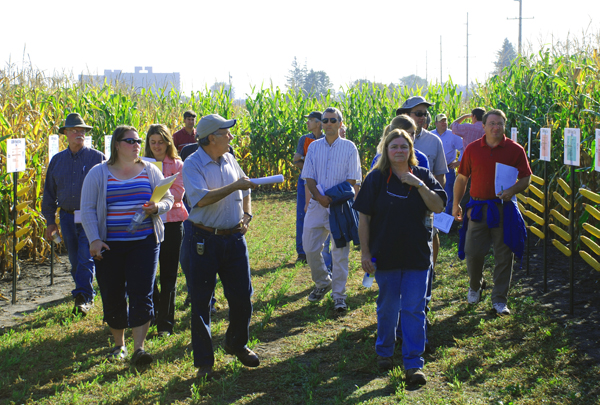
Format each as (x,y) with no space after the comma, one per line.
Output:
(249,216)
(421,184)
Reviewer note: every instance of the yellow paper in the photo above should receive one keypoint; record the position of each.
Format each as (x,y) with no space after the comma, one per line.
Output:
(161,189)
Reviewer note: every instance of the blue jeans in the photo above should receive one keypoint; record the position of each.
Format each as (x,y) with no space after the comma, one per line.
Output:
(449,188)
(126,273)
(82,263)
(226,256)
(404,291)
(184,259)
(300,214)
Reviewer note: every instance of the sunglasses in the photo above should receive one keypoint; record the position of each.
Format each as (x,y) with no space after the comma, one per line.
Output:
(332,120)
(419,113)
(387,188)
(131,141)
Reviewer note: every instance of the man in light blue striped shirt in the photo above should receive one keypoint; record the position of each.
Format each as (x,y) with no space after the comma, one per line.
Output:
(329,161)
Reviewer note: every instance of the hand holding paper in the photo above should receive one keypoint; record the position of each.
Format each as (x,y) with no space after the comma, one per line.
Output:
(268,180)
(506,177)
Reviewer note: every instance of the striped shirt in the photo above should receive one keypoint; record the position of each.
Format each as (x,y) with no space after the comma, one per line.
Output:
(330,165)
(123,199)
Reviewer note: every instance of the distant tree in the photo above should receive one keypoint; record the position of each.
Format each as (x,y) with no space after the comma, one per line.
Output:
(296,76)
(506,55)
(372,86)
(317,84)
(217,87)
(413,82)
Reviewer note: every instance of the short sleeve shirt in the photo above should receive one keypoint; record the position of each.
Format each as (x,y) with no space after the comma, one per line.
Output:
(201,174)
(398,236)
(330,165)
(431,146)
(479,162)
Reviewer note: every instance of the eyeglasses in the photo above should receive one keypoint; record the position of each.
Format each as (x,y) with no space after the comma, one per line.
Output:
(387,187)
(131,141)
(419,113)
(332,120)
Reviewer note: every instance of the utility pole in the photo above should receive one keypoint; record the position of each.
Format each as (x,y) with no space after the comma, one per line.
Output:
(520,22)
(426,68)
(441,77)
(467,56)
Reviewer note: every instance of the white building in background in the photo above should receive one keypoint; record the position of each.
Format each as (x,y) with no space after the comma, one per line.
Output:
(140,79)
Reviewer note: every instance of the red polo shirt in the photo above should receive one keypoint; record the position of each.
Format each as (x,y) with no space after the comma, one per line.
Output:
(479,162)
(182,137)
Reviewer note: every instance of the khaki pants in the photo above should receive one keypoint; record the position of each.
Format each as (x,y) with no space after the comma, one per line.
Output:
(477,245)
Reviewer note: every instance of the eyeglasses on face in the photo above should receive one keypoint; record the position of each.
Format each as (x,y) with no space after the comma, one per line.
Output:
(131,141)
(419,113)
(332,120)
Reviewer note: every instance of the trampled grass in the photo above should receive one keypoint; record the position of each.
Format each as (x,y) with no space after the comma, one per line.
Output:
(308,355)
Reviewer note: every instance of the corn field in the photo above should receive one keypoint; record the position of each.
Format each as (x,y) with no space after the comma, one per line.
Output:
(555,88)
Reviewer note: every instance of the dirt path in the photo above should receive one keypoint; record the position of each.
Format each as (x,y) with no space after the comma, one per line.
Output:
(33,290)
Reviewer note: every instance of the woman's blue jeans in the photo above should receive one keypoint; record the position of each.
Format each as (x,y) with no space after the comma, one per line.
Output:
(405,291)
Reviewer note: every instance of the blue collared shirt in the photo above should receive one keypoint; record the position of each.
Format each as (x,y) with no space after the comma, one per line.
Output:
(64,180)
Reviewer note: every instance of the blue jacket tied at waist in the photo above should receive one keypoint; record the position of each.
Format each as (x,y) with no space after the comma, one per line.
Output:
(515,231)
(343,220)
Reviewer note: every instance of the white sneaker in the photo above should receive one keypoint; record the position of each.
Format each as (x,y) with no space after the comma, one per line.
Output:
(340,305)
(474,296)
(501,308)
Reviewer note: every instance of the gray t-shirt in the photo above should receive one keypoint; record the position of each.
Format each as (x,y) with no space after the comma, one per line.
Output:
(432,146)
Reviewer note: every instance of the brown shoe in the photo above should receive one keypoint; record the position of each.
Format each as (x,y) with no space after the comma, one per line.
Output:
(205,372)
(246,356)
(385,363)
(415,376)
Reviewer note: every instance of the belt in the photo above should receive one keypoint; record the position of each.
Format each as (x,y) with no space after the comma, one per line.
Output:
(67,211)
(481,199)
(217,231)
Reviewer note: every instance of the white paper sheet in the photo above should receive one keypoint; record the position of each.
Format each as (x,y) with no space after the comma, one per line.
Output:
(268,180)
(506,176)
(77,216)
(443,221)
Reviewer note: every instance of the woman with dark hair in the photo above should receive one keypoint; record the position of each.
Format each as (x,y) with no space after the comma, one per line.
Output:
(112,194)
(160,146)
(394,239)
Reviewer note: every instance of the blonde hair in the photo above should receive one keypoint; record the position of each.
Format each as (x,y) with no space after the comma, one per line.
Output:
(383,164)
(402,121)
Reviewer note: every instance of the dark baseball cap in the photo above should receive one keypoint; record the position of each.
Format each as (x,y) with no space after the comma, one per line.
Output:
(315,114)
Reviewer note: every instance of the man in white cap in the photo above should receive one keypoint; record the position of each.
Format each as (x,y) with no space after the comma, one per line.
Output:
(452,143)
(219,193)
(64,180)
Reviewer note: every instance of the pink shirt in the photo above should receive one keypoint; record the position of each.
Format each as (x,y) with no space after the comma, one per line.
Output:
(171,167)
(468,132)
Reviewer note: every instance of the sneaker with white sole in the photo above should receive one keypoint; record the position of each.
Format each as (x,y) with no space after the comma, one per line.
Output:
(317,293)
(501,308)
(340,305)
(473,297)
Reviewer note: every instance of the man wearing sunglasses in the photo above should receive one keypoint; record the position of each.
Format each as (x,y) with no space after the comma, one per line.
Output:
(64,180)
(219,193)
(330,161)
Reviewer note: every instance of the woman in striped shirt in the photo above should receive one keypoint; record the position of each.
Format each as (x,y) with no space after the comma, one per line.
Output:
(112,193)
(160,146)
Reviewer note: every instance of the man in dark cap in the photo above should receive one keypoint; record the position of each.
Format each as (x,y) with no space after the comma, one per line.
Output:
(64,179)
(219,193)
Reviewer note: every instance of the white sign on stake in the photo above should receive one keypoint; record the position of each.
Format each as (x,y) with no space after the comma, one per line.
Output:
(87,142)
(513,134)
(107,141)
(597,168)
(545,143)
(572,146)
(529,144)
(52,146)
(15,155)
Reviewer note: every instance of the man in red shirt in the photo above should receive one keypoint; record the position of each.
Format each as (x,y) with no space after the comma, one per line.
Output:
(479,163)
(187,134)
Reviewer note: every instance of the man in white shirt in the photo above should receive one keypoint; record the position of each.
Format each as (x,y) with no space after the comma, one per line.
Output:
(451,144)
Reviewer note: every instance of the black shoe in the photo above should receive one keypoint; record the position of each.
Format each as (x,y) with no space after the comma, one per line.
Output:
(81,305)
(141,358)
(301,258)
(246,356)
(164,334)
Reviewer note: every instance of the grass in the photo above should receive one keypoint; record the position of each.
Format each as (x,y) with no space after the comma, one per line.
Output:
(308,355)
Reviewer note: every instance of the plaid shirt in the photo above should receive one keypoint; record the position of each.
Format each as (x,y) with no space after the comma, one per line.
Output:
(64,179)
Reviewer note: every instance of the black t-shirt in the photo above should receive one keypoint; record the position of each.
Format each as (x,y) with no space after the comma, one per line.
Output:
(398,238)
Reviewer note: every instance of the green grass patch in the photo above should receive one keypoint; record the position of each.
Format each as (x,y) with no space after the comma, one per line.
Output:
(308,354)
